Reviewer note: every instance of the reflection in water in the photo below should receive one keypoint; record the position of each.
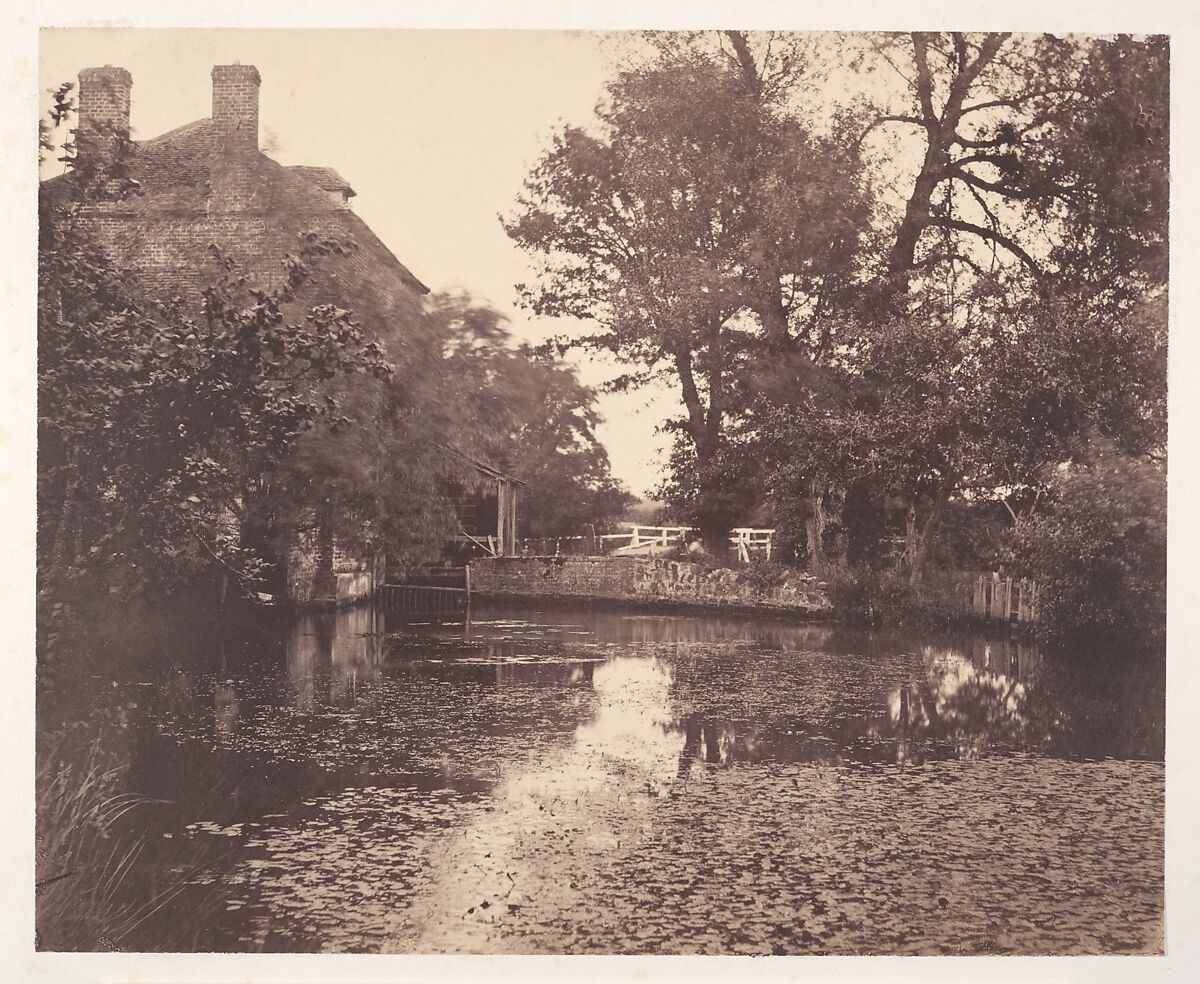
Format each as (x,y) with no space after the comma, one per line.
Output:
(966,702)
(627,752)
(631,727)
(225,709)
(598,781)
(344,650)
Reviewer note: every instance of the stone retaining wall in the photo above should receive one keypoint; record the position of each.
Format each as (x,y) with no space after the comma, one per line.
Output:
(646,580)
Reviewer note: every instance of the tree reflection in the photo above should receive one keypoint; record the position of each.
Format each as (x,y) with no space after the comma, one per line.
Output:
(972,700)
(225,709)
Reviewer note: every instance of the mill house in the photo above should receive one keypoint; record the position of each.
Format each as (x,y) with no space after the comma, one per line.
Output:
(208,184)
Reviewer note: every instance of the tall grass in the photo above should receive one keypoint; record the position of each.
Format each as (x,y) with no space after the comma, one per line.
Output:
(82,863)
(97,885)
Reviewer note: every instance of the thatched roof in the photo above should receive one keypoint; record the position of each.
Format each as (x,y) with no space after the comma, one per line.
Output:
(166,230)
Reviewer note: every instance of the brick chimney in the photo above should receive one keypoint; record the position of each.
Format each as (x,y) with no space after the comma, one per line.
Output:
(235,137)
(235,105)
(104,104)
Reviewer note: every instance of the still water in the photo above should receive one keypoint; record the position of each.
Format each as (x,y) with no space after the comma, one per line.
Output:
(576,781)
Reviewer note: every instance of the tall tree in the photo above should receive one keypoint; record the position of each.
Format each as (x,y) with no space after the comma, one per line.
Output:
(528,413)
(1039,153)
(1028,162)
(699,225)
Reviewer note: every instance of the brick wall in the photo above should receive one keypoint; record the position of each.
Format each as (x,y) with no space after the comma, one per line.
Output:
(321,571)
(171,251)
(640,579)
(302,567)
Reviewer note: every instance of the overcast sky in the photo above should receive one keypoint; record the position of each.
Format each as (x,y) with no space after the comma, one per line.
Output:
(435,130)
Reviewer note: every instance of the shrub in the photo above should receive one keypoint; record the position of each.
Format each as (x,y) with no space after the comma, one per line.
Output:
(763,575)
(1098,554)
(864,594)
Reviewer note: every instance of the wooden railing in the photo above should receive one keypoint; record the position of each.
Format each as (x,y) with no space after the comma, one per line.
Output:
(428,590)
(650,539)
(748,542)
(422,598)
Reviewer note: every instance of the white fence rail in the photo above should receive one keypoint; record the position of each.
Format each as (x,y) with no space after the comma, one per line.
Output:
(748,542)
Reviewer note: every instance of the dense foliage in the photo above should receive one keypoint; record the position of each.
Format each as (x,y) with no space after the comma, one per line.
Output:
(896,277)
(153,424)
(528,414)
(1098,551)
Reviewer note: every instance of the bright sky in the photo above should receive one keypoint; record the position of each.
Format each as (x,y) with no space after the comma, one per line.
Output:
(435,130)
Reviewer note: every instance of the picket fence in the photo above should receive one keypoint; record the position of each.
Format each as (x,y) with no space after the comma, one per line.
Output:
(1007,599)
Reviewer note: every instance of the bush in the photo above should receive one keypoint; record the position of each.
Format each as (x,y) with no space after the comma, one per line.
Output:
(763,575)
(1099,553)
(874,596)
(864,594)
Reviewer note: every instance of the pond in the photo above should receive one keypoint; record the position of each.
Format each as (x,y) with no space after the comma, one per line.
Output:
(572,781)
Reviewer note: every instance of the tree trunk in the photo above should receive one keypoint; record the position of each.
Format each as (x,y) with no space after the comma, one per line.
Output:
(714,524)
(814,527)
(914,545)
(704,428)
(714,534)
(917,536)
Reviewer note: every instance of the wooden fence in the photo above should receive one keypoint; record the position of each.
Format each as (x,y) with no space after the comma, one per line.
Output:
(1007,599)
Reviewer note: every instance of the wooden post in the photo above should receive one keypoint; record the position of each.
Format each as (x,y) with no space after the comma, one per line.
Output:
(513,496)
(500,513)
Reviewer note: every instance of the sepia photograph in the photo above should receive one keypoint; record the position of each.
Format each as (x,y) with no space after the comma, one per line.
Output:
(601,492)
